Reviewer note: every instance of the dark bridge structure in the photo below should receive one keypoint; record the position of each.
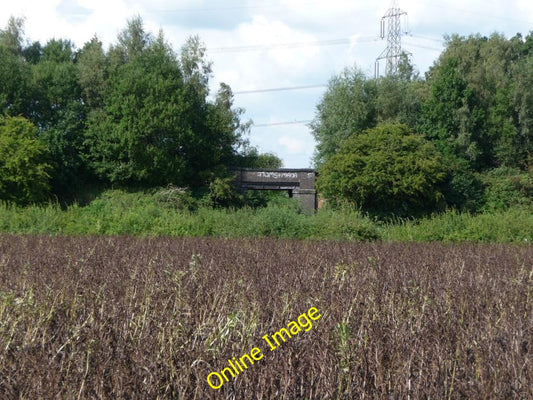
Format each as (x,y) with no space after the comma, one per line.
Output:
(300,183)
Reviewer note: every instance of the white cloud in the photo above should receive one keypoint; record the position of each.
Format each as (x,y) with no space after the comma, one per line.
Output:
(47,19)
(292,145)
(525,7)
(264,31)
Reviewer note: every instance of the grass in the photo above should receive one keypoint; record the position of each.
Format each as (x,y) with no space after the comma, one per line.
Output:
(117,212)
(513,225)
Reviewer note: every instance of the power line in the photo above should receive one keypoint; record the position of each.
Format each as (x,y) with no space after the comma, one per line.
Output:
(431,38)
(333,42)
(282,123)
(424,47)
(313,43)
(281,89)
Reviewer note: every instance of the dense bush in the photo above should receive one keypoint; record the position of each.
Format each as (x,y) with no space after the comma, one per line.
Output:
(507,187)
(172,212)
(223,193)
(24,163)
(386,169)
(175,197)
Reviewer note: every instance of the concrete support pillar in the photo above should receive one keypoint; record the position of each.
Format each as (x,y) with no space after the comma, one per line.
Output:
(307,198)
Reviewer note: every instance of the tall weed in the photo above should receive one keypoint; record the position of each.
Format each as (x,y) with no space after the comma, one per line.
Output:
(117,212)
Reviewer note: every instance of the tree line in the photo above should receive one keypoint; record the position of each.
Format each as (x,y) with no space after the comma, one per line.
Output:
(459,137)
(137,114)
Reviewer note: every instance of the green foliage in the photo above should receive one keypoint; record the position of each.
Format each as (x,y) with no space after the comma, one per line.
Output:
(132,41)
(139,136)
(140,115)
(251,158)
(15,74)
(523,101)
(152,123)
(400,97)
(478,116)
(385,170)
(137,114)
(345,223)
(24,171)
(347,107)
(175,198)
(15,83)
(33,52)
(165,212)
(475,105)
(93,72)
(218,140)
(59,112)
(58,51)
(168,212)
(12,36)
(223,193)
(478,107)
(512,225)
(354,103)
(507,187)
(225,141)
(463,188)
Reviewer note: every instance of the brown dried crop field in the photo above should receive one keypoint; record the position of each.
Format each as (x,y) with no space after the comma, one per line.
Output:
(134,318)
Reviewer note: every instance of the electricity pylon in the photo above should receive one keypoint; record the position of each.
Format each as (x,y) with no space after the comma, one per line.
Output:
(391,22)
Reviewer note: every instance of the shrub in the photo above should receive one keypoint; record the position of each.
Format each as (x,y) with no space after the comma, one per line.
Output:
(24,170)
(385,170)
(176,197)
(506,187)
(222,192)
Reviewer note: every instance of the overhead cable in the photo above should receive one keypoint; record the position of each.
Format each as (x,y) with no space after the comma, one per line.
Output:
(282,123)
(281,89)
(271,46)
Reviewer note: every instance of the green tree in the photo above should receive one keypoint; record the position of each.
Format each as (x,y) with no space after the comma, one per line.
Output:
(214,126)
(478,112)
(132,41)
(224,139)
(24,170)
(93,73)
(252,158)
(472,109)
(33,52)
(136,114)
(12,37)
(347,107)
(400,100)
(354,103)
(60,114)
(15,83)
(142,134)
(15,73)
(154,124)
(522,146)
(385,170)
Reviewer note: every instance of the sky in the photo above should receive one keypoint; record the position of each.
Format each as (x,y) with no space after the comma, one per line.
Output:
(277,55)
